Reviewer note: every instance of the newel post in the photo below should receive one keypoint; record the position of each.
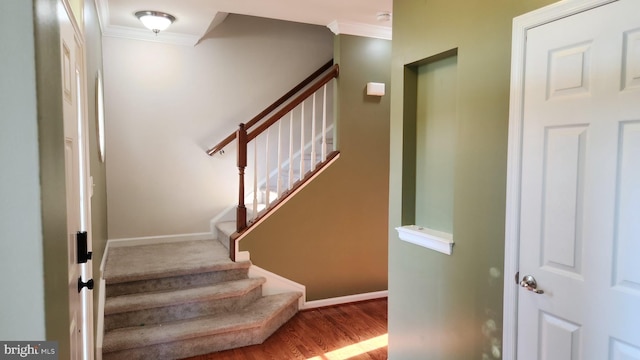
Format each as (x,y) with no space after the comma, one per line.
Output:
(241,215)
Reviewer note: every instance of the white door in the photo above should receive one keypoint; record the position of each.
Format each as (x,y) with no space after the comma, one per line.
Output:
(77,190)
(580,187)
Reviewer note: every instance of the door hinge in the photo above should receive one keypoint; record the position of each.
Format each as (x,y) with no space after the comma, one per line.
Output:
(82,247)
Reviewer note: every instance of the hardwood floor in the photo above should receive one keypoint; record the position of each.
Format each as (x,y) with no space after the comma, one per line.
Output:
(351,331)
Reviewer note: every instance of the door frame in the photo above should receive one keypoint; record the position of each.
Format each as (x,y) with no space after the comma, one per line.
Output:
(521,25)
(85,271)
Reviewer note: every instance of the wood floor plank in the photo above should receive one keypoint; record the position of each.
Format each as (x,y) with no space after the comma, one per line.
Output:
(320,334)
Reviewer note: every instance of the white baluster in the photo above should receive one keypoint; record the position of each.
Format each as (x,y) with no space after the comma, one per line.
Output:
(324,122)
(313,134)
(255,178)
(290,150)
(266,169)
(302,143)
(279,172)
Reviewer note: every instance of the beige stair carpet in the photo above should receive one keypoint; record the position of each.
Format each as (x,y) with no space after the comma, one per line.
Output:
(175,300)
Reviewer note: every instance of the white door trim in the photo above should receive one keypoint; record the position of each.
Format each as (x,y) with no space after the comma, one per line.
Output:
(521,25)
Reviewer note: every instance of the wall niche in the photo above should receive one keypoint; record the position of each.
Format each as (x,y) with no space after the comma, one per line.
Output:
(429,143)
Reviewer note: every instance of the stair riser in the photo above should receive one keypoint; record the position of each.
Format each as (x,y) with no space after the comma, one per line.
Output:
(176,282)
(147,317)
(206,344)
(190,347)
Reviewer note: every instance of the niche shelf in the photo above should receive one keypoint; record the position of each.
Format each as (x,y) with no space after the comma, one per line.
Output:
(428,238)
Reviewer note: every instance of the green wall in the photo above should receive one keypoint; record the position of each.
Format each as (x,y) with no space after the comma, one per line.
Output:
(439,304)
(52,176)
(331,237)
(435,136)
(93,48)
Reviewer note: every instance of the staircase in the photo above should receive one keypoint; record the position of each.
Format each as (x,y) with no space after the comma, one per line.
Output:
(182,299)
(286,145)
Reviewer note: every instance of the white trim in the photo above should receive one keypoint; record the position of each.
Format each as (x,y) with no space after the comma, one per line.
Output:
(163,239)
(227,214)
(102,8)
(428,238)
(345,299)
(78,28)
(104,258)
(260,220)
(100,326)
(164,37)
(521,25)
(277,284)
(359,29)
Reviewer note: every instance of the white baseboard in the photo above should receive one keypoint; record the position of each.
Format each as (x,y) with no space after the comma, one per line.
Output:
(225,215)
(345,299)
(277,284)
(243,256)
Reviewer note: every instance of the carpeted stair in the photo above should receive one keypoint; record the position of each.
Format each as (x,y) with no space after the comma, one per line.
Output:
(176,300)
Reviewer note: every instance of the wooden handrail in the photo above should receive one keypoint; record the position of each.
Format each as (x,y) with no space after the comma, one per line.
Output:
(333,73)
(226,141)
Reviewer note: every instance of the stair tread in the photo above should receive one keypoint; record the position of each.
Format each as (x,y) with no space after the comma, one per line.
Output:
(226,227)
(254,315)
(133,302)
(145,262)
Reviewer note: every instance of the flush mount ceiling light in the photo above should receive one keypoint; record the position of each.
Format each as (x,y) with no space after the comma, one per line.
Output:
(155,21)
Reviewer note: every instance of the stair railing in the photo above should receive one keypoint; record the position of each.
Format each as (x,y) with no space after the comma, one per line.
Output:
(256,119)
(289,147)
(298,136)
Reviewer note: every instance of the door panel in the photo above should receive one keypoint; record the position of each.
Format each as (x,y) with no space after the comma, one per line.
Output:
(627,271)
(631,65)
(559,338)
(563,176)
(580,187)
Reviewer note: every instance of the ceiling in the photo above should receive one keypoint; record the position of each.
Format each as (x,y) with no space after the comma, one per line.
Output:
(196,18)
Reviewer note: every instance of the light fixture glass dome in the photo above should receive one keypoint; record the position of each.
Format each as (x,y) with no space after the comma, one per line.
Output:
(155,21)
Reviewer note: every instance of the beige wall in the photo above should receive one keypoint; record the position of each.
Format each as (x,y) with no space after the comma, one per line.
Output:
(438,304)
(166,104)
(22,306)
(331,237)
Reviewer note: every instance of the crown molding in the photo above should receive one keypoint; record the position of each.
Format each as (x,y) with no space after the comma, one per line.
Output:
(359,29)
(165,37)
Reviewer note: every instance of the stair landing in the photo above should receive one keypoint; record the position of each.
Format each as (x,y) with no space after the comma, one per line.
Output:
(129,263)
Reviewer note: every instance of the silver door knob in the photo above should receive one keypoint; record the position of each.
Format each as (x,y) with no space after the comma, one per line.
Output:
(529,282)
